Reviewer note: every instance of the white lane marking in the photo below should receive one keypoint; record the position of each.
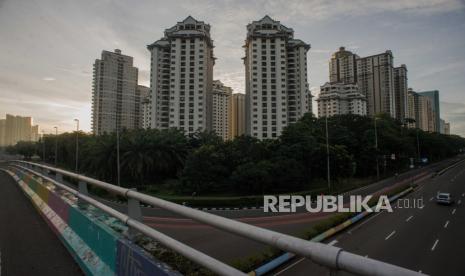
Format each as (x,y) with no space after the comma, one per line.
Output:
(390,235)
(463,194)
(459,201)
(434,245)
(431,198)
(409,218)
(292,265)
(365,221)
(453,211)
(447,223)
(419,271)
(366,256)
(332,242)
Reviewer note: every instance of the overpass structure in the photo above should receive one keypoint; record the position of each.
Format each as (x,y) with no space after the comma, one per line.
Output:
(122,256)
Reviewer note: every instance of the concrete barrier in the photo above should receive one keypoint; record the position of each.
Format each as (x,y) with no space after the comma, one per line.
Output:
(96,247)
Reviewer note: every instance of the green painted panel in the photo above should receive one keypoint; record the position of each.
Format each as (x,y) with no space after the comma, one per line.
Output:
(96,235)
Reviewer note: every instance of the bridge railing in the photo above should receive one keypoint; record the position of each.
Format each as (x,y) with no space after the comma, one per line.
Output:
(334,258)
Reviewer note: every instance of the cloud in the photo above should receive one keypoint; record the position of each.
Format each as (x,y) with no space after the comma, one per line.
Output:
(69,35)
(455,114)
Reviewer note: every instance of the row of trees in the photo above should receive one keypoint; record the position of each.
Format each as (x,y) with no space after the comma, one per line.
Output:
(205,164)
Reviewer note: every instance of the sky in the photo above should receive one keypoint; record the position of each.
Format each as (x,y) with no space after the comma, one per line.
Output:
(48,47)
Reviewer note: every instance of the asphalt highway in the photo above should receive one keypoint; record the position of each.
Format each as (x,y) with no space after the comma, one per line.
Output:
(228,247)
(428,238)
(27,244)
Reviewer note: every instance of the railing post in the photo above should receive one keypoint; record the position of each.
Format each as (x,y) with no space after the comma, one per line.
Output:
(135,213)
(82,188)
(59,177)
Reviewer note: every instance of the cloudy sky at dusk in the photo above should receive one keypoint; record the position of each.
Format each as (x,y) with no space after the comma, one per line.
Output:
(47,47)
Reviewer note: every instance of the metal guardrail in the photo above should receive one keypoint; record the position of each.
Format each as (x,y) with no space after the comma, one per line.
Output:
(329,256)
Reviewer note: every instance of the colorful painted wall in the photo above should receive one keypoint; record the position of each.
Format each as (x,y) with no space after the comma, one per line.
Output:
(97,247)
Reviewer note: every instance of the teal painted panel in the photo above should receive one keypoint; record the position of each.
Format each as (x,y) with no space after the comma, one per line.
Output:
(101,239)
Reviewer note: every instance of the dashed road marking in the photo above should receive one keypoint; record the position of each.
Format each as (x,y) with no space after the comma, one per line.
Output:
(434,245)
(390,235)
(431,199)
(458,202)
(294,264)
(445,225)
(332,242)
(463,194)
(409,218)
(453,211)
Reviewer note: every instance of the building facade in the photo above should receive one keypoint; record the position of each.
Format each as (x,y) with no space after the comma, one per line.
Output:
(238,115)
(277,91)
(447,128)
(2,132)
(434,97)
(222,110)
(114,93)
(375,80)
(343,67)
(400,92)
(413,109)
(142,96)
(14,129)
(340,98)
(181,78)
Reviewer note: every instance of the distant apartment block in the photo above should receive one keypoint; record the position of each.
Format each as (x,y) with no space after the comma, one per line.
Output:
(181,78)
(238,115)
(400,92)
(343,67)
(340,98)
(277,92)
(413,108)
(434,97)
(142,96)
(114,95)
(222,110)
(384,86)
(14,129)
(2,132)
(447,128)
(375,80)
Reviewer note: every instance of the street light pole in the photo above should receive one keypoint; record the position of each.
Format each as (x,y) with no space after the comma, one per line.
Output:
(327,153)
(43,146)
(418,147)
(376,147)
(56,146)
(117,152)
(77,144)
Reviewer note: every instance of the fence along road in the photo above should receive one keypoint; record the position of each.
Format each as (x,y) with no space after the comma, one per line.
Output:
(332,257)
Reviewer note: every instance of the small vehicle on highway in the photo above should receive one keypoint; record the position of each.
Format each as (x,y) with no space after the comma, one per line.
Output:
(444,198)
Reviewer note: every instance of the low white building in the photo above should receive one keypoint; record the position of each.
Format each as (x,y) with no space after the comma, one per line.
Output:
(339,98)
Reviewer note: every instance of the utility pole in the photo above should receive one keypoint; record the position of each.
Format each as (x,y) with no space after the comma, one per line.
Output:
(327,155)
(376,147)
(77,144)
(56,146)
